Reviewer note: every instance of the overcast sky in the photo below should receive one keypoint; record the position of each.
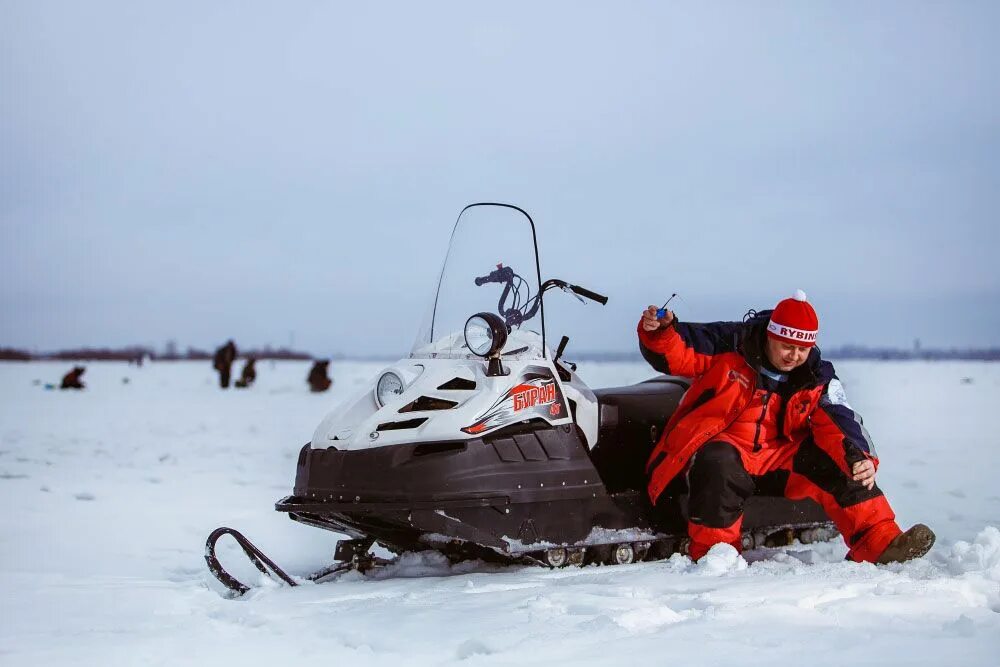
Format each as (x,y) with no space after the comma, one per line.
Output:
(202,170)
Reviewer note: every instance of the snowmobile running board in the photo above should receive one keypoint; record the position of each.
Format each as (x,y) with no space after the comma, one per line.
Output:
(353,554)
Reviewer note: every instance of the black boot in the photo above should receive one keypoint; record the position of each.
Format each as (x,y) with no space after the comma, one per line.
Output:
(914,543)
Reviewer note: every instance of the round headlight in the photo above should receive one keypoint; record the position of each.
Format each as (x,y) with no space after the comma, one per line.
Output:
(485,334)
(388,386)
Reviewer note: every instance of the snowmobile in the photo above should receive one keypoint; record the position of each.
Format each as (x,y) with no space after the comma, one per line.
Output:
(484,444)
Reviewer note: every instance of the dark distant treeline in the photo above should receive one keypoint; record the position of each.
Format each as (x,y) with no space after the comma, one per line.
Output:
(139,353)
(893,354)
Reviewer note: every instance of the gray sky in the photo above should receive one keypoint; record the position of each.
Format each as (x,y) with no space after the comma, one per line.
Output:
(200,170)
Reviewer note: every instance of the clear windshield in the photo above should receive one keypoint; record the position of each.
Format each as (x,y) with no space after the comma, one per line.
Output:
(491,266)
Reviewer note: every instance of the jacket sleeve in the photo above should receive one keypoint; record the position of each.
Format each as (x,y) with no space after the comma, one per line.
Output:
(687,349)
(838,429)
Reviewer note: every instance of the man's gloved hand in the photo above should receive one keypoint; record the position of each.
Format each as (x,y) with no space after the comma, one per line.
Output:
(651,323)
(864,472)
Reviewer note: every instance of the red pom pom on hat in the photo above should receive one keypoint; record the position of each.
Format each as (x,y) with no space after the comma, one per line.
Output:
(794,321)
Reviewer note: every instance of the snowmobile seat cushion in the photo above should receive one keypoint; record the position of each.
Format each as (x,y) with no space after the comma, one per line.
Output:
(651,402)
(631,419)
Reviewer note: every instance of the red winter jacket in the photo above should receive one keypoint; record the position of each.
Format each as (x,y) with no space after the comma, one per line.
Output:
(723,359)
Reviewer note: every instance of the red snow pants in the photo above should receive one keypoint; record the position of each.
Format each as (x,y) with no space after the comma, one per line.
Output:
(719,484)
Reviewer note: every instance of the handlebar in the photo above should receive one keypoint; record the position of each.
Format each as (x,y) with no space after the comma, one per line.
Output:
(576,289)
(501,275)
(594,296)
(522,311)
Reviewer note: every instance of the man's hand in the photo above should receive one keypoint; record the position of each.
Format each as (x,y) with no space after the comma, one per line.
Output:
(864,472)
(651,323)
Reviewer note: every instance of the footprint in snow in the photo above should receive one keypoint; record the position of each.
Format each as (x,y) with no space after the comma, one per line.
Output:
(911,484)
(85,496)
(957,493)
(963,626)
(582,610)
(471,647)
(599,623)
(12,475)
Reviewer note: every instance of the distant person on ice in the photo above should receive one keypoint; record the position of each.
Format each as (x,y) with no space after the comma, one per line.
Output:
(72,379)
(318,379)
(248,374)
(765,412)
(223,362)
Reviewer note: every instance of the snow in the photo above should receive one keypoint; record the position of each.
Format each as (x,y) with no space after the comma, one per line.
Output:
(110,493)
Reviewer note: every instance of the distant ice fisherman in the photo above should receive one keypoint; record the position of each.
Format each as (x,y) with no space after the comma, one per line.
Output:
(72,379)
(223,362)
(248,375)
(318,378)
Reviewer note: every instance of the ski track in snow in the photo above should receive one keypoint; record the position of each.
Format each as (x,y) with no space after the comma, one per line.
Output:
(110,493)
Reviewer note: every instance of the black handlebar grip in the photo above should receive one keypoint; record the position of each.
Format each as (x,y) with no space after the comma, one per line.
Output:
(582,291)
(501,275)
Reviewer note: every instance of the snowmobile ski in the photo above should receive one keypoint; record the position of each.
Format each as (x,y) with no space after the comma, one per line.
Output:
(355,559)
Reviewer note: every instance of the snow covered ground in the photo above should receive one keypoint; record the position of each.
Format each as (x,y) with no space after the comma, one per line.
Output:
(108,495)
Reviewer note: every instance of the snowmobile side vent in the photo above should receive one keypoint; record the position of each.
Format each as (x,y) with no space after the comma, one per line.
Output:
(530,448)
(556,446)
(507,450)
(425,403)
(398,426)
(458,384)
(438,448)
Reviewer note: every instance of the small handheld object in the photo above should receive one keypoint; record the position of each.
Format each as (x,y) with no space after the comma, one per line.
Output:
(661,312)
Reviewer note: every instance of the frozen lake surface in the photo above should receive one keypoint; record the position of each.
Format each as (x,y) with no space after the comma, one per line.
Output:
(109,494)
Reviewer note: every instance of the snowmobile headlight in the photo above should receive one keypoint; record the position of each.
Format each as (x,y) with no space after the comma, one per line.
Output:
(485,334)
(388,386)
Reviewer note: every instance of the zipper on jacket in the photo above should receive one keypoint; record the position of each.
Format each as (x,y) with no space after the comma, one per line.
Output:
(763,412)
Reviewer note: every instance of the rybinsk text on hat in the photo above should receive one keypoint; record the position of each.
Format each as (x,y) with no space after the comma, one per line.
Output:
(791,333)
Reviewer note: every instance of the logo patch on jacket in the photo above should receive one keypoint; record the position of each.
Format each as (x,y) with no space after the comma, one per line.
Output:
(739,377)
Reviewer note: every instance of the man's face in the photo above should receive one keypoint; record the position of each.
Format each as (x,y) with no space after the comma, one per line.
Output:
(785,356)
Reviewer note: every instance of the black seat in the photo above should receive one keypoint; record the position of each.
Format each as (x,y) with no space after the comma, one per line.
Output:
(631,420)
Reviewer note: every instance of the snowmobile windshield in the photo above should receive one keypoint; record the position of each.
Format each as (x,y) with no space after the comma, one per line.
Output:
(491,266)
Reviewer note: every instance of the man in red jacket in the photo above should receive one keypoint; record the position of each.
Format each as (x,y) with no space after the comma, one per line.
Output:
(766,414)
